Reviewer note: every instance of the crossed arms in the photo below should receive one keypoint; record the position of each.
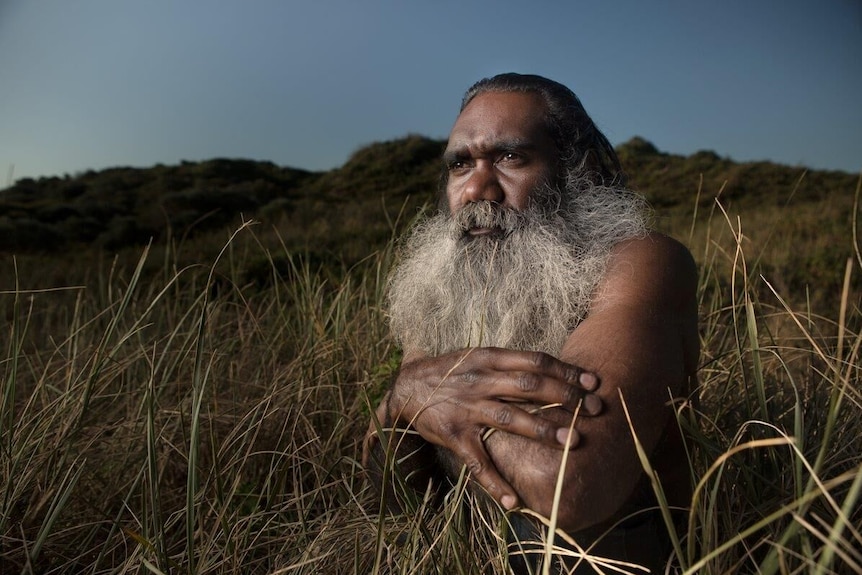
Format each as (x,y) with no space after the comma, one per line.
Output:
(639,341)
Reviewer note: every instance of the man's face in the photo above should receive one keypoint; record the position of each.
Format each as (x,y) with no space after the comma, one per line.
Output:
(499,151)
(515,262)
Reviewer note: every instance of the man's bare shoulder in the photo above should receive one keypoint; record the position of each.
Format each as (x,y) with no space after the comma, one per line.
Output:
(654,269)
(653,248)
(650,287)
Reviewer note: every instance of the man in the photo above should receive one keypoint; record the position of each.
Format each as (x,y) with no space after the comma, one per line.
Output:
(537,295)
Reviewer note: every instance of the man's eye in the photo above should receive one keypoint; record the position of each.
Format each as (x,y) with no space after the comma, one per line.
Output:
(456,165)
(510,157)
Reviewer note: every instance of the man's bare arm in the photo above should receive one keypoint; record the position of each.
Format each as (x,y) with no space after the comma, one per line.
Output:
(641,340)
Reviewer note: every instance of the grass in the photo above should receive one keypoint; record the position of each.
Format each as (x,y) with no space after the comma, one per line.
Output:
(172,418)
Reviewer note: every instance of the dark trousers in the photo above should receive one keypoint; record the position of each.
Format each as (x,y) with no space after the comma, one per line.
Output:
(641,540)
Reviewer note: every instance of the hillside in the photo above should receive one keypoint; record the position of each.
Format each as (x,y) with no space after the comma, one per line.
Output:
(669,180)
(122,207)
(339,217)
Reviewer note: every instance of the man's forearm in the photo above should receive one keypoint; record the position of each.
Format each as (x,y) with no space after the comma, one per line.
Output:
(601,471)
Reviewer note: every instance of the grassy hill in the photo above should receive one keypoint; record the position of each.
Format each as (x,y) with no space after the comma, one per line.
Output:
(123,207)
(345,214)
(119,207)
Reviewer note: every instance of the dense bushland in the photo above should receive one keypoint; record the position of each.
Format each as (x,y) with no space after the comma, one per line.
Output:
(347,213)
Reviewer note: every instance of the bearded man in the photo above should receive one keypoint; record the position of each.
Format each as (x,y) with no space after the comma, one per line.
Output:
(538,295)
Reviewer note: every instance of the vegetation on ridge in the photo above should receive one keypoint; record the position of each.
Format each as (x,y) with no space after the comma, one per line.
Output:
(121,207)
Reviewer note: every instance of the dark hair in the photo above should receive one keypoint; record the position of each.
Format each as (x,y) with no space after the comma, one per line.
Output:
(583,150)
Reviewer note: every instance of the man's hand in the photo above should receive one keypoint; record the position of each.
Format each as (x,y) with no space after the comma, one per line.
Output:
(453,399)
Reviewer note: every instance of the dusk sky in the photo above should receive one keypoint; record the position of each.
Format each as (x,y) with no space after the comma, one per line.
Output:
(91,84)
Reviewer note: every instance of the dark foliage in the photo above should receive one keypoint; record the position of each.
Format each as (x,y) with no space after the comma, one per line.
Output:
(122,207)
(346,213)
(669,180)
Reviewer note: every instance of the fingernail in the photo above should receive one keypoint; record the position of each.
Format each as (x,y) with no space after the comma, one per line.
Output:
(592,404)
(588,381)
(508,502)
(563,437)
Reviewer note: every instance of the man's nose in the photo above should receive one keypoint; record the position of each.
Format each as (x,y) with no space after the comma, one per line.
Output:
(483,185)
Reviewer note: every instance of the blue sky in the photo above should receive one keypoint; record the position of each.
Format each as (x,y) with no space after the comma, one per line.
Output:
(92,84)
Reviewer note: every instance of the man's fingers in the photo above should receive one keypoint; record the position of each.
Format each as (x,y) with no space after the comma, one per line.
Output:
(483,472)
(538,389)
(531,361)
(513,418)
(532,376)
(592,404)
(589,381)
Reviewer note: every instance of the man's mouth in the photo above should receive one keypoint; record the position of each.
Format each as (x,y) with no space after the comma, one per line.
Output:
(477,231)
(493,232)
(484,220)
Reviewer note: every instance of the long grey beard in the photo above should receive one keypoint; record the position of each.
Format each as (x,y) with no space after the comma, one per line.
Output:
(525,288)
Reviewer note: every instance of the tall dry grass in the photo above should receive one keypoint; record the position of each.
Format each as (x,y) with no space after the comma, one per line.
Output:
(188,422)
